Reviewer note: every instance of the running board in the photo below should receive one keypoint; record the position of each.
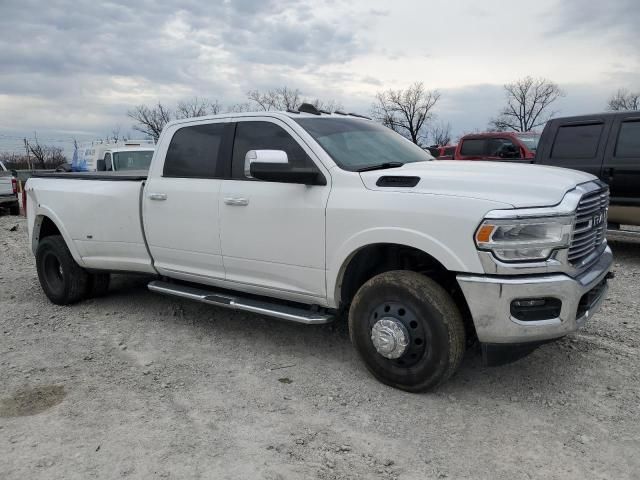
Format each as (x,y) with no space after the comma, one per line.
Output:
(284,312)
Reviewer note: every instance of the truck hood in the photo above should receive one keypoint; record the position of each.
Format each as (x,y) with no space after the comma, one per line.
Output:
(520,186)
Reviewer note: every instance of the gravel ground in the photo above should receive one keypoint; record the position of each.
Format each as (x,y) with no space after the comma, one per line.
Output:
(142,386)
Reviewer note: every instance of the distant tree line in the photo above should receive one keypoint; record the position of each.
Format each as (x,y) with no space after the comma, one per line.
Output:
(36,156)
(410,112)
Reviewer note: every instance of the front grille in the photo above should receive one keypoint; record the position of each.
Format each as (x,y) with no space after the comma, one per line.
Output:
(591,225)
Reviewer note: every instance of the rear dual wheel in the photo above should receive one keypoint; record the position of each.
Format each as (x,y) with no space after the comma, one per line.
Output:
(407,329)
(64,281)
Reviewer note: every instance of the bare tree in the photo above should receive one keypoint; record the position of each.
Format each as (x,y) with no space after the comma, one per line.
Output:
(326,105)
(441,134)
(47,156)
(115,134)
(277,99)
(240,108)
(407,111)
(528,104)
(623,99)
(151,120)
(197,107)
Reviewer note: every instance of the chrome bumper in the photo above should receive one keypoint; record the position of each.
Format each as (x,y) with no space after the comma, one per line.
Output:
(489,299)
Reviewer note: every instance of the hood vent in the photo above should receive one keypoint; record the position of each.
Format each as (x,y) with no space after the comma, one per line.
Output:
(397,181)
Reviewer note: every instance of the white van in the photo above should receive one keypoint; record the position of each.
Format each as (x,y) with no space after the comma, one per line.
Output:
(129,155)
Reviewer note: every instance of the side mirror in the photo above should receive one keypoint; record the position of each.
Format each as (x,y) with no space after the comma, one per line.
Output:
(14,173)
(101,166)
(274,157)
(273,166)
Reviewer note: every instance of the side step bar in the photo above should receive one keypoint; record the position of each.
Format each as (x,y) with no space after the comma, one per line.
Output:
(284,312)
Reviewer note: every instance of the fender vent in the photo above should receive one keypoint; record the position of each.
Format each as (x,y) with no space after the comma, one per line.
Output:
(397,181)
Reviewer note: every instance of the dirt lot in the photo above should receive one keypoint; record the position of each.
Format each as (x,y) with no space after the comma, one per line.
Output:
(141,386)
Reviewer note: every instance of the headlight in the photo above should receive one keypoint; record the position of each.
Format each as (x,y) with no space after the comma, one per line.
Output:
(513,240)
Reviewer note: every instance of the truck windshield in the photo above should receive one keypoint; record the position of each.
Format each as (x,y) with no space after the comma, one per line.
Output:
(134,160)
(530,141)
(355,144)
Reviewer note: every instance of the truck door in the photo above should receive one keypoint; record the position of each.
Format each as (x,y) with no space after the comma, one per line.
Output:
(180,201)
(273,234)
(622,162)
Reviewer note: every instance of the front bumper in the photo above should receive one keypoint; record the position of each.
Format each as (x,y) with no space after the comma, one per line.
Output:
(489,299)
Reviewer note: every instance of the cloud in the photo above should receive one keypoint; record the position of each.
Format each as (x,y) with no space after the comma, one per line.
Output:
(79,65)
(111,56)
(615,20)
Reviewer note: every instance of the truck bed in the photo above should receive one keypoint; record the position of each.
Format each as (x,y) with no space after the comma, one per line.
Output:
(123,176)
(99,215)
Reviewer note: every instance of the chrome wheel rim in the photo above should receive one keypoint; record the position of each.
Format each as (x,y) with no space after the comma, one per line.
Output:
(397,334)
(390,337)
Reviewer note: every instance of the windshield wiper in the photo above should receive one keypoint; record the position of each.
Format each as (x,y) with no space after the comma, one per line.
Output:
(381,166)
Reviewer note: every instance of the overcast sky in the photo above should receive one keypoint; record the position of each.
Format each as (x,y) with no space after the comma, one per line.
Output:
(73,68)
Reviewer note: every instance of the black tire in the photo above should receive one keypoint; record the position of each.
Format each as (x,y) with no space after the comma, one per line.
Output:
(428,315)
(14,209)
(62,279)
(98,285)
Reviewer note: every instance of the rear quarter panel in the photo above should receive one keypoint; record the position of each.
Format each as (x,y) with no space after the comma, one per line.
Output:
(99,220)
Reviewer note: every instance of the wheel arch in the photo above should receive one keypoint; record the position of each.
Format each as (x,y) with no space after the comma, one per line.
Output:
(372,259)
(46,224)
(430,247)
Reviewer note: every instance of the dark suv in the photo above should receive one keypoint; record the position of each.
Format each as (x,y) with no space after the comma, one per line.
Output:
(606,145)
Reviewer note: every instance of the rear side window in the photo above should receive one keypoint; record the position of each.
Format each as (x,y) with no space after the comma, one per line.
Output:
(629,140)
(265,136)
(473,146)
(577,141)
(194,152)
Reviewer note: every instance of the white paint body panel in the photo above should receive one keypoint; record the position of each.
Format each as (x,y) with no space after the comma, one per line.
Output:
(286,241)
(99,220)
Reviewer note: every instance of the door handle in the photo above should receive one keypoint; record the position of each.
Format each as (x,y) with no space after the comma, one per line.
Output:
(157,196)
(236,201)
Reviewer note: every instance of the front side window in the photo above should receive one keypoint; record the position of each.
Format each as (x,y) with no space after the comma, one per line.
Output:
(134,160)
(355,144)
(577,141)
(265,136)
(473,147)
(629,140)
(502,147)
(194,152)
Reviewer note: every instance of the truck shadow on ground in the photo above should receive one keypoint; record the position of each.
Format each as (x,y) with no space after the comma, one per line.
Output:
(328,346)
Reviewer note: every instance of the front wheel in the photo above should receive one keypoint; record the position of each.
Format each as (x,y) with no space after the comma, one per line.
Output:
(62,279)
(407,329)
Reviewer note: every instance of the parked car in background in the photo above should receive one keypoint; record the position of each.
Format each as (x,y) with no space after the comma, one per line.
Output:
(309,217)
(442,152)
(606,145)
(446,152)
(9,190)
(498,146)
(128,155)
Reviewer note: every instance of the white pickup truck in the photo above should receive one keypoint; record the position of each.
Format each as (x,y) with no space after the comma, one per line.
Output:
(312,217)
(9,191)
